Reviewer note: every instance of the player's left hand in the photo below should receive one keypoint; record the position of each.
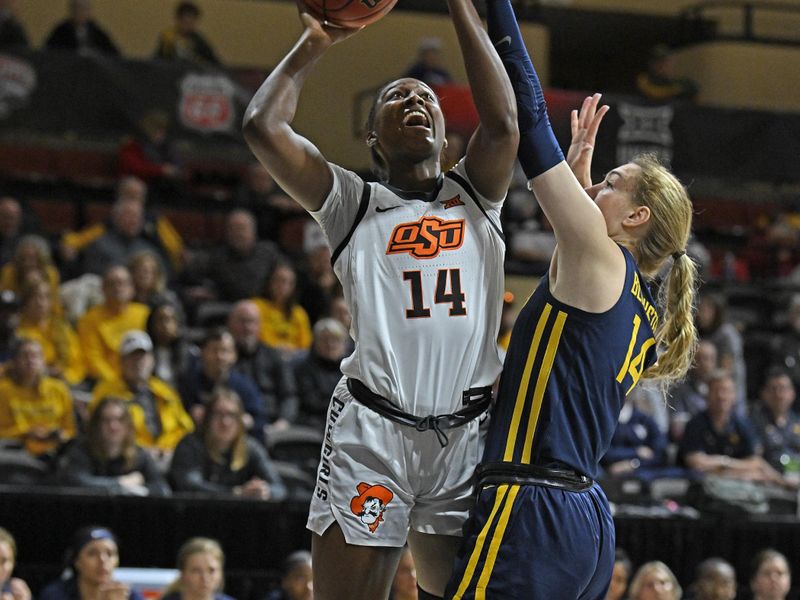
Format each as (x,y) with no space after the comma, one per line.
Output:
(584,125)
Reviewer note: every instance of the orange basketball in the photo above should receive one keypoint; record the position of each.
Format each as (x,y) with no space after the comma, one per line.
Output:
(349,13)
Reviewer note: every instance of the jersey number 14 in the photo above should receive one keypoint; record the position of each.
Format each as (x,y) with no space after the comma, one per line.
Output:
(455,297)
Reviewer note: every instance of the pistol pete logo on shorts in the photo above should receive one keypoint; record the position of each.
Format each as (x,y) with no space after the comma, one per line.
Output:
(370,504)
(427,237)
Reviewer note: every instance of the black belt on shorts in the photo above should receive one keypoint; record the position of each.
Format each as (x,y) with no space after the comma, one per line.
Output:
(476,402)
(498,473)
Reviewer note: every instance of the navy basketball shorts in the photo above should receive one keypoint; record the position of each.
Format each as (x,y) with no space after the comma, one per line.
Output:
(536,543)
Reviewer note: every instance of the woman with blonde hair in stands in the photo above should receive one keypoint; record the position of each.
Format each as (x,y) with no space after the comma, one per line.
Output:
(11,588)
(201,563)
(654,581)
(32,262)
(150,280)
(59,341)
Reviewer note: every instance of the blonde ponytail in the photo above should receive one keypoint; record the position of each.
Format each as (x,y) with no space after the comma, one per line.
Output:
(668,234)
(676,336)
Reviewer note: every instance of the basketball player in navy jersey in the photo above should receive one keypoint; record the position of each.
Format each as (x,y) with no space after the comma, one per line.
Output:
(541,527)
(420,258)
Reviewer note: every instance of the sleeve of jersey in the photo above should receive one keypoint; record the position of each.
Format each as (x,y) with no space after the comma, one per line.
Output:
(338,211)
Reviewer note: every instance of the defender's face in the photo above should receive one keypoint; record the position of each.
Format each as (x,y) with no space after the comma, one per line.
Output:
(614,195)
(409,120)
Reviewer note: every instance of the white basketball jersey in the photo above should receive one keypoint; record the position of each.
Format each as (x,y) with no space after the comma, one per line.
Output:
(423,277)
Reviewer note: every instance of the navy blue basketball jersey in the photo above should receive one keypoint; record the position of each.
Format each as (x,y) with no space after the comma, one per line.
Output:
(566,375)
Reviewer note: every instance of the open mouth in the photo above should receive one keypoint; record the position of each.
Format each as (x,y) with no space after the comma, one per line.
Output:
(416,118)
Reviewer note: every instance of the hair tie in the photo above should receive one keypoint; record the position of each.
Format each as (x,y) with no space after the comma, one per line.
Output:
(678,254)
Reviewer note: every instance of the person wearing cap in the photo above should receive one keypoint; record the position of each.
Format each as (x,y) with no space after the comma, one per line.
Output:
(36,409)
(101,329)
(89,569)
(159,418)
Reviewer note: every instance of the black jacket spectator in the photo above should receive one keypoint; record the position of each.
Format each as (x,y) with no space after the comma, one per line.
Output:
(79,38)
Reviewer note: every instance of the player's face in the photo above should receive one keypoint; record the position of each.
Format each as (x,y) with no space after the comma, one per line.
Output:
(298,583)
(772,581)
(720,584)
(97,561)
(408,121)
(202,575)
(614,196)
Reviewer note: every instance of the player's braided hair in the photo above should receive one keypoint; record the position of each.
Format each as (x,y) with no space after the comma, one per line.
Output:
(668,234)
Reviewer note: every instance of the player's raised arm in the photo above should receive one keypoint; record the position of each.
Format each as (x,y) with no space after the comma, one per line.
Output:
(492,150)
(294,162)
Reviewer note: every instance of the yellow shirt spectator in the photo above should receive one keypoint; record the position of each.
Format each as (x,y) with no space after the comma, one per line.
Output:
(100,332)
(34,408)
(175,421)
(290,333)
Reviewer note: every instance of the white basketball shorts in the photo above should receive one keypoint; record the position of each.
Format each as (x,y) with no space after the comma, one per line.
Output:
(378,478)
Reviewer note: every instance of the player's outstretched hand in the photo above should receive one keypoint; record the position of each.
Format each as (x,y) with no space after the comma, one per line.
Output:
(323,34)
(584,126)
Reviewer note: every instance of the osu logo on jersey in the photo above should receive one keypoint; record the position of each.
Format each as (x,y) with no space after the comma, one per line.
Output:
(370,504)
(426,237)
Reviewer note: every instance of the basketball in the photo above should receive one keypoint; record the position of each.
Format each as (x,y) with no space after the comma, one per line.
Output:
(349,13)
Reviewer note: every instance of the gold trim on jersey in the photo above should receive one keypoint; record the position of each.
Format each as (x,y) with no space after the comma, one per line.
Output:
(541,384)
(507,503)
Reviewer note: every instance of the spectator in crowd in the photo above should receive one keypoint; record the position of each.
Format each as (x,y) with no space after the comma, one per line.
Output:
(220,458)
(404,584)
(81,33)
(8,325)
(714,579)
(12,34)
(318,373)
(32,261)
(296,580)
(638,448)
(341,312)
(785,349)
(620,575)
(284,323)
(108,458)
(59,341)
(317,283)
(159,419)
(172,352)
(182,41)
(688,398)
(264,365)
(429,64)
(719,441)
(35,409)
(102,327)
(239,267)
(201,563)
(90,562)
(150,280)
(122,240)
(713,325)
(154,228)
(10,227)
(659,83)
(770,576)
(258,193)
(11,588)
(776,424)
(150,154)
(216,369)
(654,581)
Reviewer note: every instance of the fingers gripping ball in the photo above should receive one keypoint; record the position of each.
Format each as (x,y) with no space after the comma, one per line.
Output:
(349,13)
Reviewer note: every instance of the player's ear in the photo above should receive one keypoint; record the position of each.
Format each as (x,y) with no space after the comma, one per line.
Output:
(372,139)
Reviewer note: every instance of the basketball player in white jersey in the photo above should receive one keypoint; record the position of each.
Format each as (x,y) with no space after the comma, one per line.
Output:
(420,258)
